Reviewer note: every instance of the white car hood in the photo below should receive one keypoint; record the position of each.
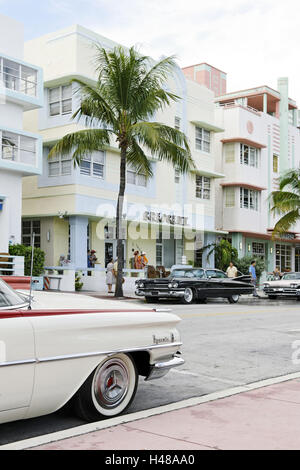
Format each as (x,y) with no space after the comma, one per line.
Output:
(283,283)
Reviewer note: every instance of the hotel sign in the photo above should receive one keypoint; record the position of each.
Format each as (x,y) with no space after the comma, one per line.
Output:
(160,218)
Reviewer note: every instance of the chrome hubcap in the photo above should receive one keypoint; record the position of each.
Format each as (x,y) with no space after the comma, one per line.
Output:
(111,383)
(235,298)
(188,295)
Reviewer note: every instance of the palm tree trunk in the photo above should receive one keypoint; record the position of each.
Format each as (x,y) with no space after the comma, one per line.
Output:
(119,218)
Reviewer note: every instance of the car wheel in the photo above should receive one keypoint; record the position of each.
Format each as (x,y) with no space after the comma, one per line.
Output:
(188,296)
(272,297)
(233,299)
(298,298)
(109,390)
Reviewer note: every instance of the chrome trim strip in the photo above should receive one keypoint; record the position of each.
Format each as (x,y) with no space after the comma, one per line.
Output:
(91,354)
(14,307)
(18,363)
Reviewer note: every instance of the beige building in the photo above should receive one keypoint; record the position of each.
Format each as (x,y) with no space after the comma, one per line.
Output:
(74,207)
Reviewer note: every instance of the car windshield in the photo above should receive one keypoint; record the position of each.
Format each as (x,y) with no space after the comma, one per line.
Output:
(290,276)
(9,297)
(216,274)
(198,273)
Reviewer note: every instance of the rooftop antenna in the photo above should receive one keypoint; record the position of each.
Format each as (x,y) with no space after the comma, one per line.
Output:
(31,271)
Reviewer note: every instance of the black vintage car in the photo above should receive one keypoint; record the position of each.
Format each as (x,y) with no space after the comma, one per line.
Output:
(194,284)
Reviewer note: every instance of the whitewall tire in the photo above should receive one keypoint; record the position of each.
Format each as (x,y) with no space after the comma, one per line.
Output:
(109,390)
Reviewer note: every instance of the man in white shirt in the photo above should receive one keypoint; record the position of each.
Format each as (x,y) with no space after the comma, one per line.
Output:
(231,270)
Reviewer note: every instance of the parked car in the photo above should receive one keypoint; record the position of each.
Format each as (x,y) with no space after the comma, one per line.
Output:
(194,284)
(91,358)
(287,286)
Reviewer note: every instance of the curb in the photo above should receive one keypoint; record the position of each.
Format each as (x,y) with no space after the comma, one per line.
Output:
(98,426)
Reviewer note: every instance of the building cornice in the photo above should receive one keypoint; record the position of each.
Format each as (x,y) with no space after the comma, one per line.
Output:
(243,140)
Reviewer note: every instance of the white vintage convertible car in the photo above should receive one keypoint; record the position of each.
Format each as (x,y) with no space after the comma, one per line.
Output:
(287,286)
(91,357)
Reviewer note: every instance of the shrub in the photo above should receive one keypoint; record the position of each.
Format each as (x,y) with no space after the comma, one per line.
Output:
(38,258)
(223,252)
(243,265)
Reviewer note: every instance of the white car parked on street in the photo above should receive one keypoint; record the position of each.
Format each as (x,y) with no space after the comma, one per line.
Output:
(287,286)
(90,356)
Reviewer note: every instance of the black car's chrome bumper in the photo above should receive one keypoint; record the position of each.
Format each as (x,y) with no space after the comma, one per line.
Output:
(158,293)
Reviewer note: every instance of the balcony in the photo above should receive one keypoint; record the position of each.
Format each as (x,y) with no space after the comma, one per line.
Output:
(21,83)
(20,151)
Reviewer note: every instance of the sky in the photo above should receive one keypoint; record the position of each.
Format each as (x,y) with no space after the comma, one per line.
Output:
(254,41)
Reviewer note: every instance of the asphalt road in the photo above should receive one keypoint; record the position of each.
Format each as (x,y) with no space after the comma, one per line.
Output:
(225,345)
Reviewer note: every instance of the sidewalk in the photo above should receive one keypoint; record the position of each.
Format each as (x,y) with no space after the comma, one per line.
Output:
(262,418)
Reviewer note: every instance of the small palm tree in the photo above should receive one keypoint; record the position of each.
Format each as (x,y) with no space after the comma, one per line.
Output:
(286,201)
(129,91)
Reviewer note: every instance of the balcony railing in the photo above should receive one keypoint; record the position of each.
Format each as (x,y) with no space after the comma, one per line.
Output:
(11,265)
(18,148)
(18,77)
(233,104)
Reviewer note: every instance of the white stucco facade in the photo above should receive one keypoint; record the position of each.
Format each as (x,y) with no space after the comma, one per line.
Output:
(79,196)
(260,142)
(20,151)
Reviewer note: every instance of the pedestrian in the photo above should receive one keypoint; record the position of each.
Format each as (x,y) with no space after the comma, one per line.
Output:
(231,270)
(277,274)
(110,276)
(144,260)
(252,272)
(137,260)
(93,259)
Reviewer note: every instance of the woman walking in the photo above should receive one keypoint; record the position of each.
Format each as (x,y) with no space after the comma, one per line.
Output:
(110,276)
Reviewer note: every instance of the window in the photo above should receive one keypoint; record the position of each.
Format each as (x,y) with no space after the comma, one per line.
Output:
(93,165)
(249,156)
(198,257)
(229,150)
(275,163)
(177,176)
(202,187)
(248,199)
(136,178)
(28,228)
(18,77)
(177,123)
(202,139)
(19,148)
(283,257)
(60,165)
(229,197)
(258,250)
(60,100)
(159,248)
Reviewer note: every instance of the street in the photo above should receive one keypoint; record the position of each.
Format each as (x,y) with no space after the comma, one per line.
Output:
(224,346)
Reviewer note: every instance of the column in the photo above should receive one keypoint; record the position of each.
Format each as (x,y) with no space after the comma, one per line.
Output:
(265,103)
(4,226)
(283,85)
(209,238)
(78,240)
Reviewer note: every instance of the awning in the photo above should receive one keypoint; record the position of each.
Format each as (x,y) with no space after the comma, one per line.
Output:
(208,126)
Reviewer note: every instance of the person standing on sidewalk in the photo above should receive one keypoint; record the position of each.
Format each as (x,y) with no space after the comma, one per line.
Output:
(252,272)
(231,270)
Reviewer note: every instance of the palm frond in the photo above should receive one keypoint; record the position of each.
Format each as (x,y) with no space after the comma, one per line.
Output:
(81,143)
(138,159)
(284,201)
(94,105)
(165,143)
(286,222)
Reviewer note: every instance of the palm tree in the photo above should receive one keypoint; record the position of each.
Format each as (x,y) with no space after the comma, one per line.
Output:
(286,201)
(128,92)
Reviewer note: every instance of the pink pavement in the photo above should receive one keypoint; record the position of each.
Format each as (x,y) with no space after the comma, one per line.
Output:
(265,418)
